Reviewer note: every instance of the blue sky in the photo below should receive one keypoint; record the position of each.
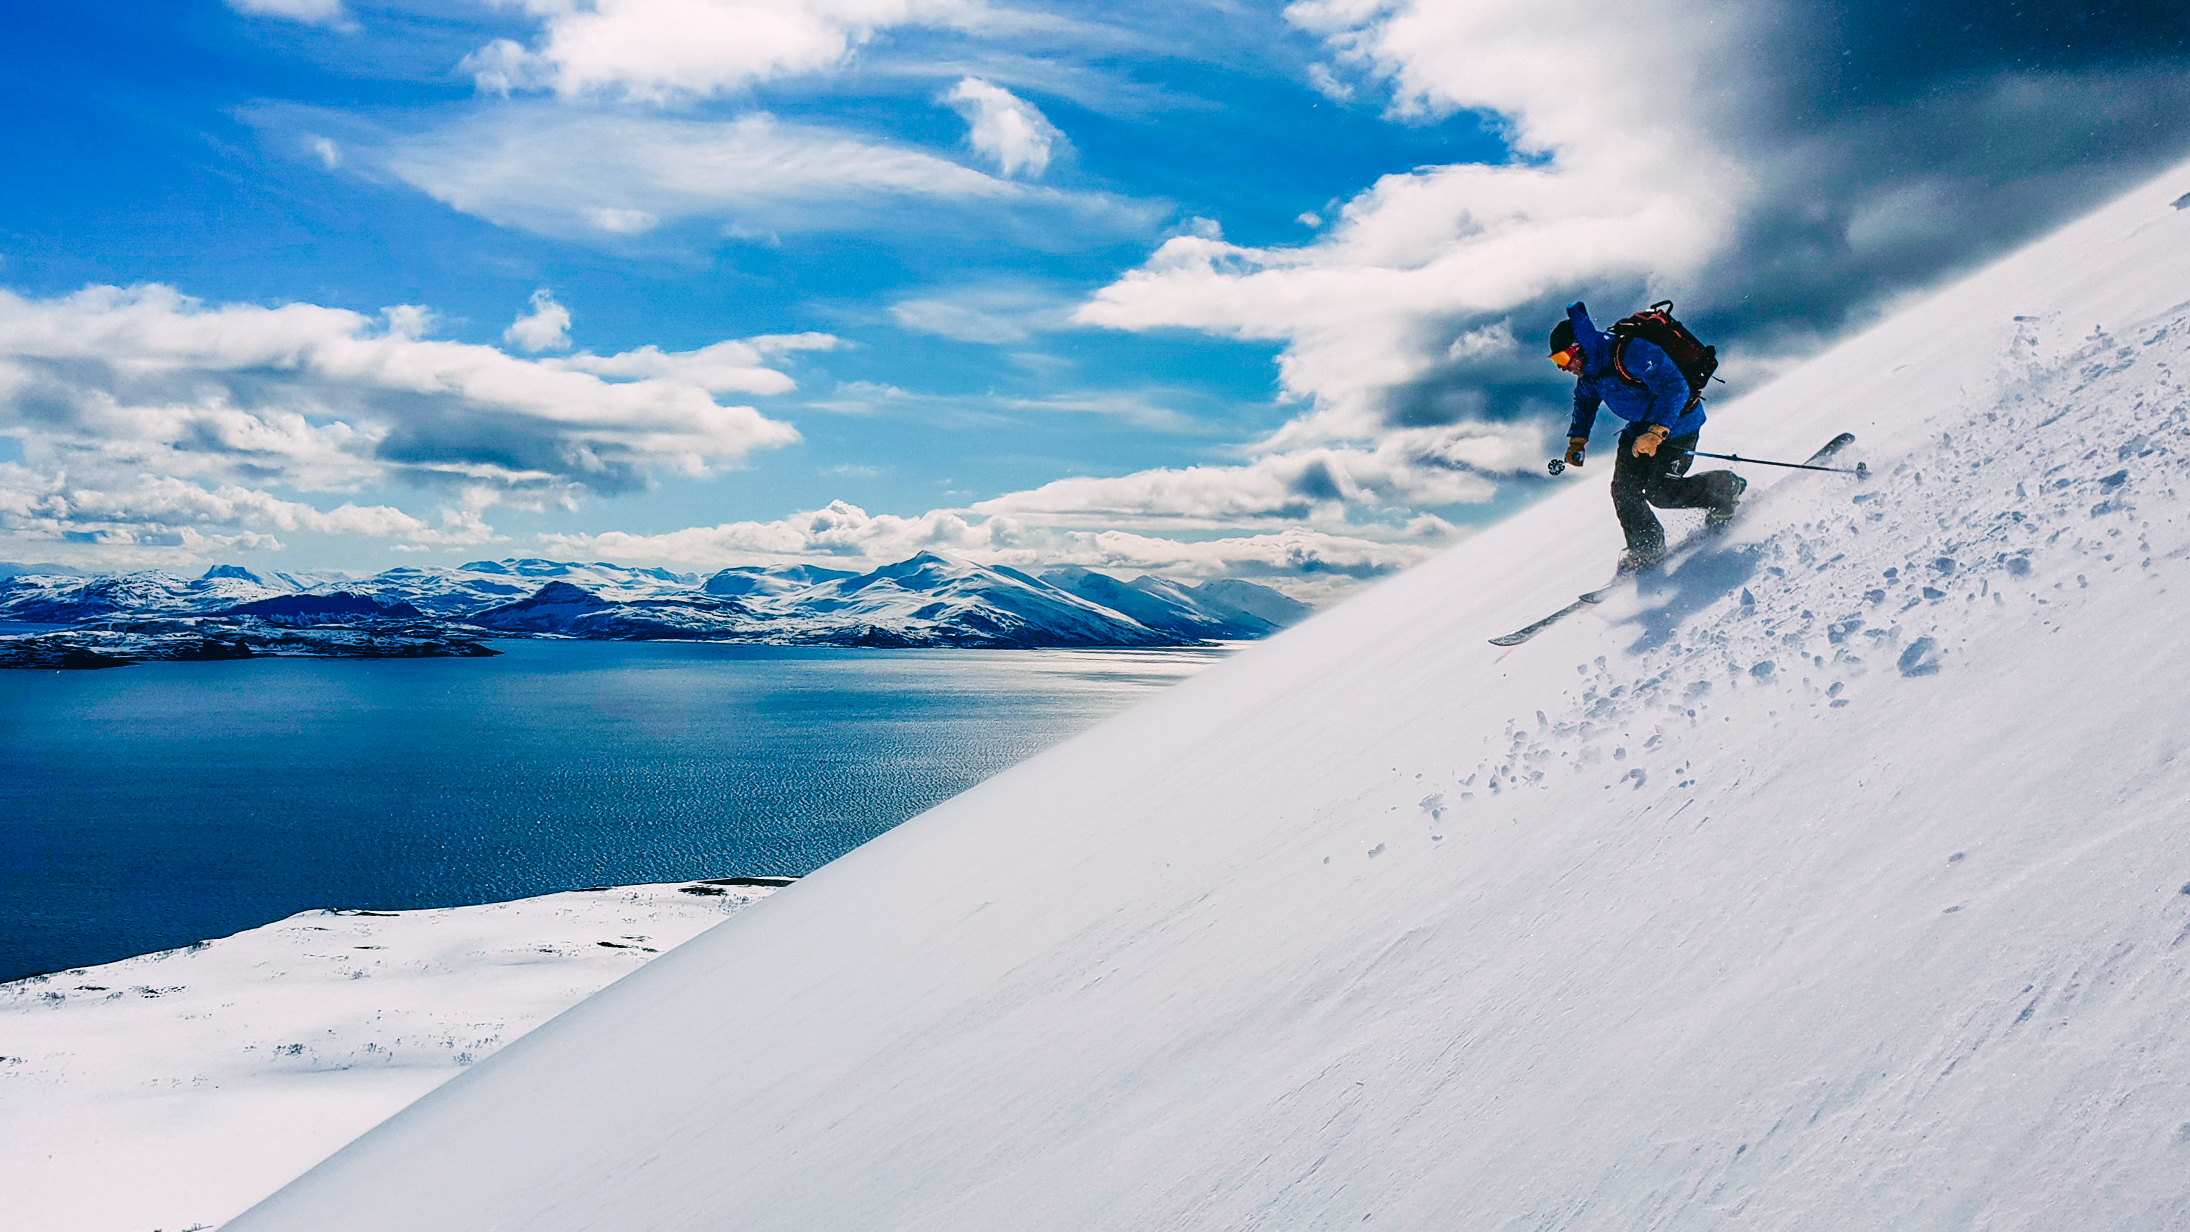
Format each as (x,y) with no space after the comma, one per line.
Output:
(1202,288)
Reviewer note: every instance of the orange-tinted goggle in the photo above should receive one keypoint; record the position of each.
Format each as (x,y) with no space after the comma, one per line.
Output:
(1561,357)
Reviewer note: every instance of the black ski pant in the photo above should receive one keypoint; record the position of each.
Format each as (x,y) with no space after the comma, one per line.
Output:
(1662,479)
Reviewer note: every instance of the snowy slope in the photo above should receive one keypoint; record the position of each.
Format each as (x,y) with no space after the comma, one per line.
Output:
(1160,605)
(218,1071)
(1635,926)
(932,600)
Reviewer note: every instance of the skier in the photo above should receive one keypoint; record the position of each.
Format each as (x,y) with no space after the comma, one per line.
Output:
(1664,423)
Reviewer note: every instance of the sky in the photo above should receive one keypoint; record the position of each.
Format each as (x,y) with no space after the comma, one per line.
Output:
(1202,289)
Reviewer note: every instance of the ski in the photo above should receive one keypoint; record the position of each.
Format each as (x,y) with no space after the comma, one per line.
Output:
(1526,632)
(1603,592)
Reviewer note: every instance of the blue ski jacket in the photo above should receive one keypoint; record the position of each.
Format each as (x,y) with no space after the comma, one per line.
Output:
(1664,394)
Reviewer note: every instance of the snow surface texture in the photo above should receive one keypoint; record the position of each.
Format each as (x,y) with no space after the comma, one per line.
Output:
(173,1090)
(1631,927)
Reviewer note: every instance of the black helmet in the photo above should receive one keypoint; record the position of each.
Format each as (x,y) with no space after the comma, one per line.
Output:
(1562,336)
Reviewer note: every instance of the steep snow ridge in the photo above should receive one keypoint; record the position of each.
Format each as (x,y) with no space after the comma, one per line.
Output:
(1160,605)
(930,600)
(1377,922)
(743,580)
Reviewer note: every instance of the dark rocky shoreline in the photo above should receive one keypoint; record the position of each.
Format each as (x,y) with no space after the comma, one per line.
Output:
(119,643)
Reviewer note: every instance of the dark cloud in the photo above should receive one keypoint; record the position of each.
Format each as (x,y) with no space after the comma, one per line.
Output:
(1896,145)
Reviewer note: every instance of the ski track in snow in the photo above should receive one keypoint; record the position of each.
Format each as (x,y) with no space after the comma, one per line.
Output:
(2050,508)
(1805,614)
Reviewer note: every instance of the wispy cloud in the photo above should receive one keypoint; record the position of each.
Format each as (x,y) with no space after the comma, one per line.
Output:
(311,12)
(604,176)
(1151,408)
(665,50)
(1005,127)
(995,314)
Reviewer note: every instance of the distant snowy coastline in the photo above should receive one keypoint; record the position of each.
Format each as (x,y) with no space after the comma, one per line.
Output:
(173,1090)
(927,601)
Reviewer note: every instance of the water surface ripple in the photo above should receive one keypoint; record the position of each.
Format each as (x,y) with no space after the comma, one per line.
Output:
(147,807)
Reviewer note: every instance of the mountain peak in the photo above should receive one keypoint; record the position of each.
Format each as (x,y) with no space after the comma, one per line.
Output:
(565,592)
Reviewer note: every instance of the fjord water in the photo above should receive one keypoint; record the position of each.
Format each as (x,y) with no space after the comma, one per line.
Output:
(148,807)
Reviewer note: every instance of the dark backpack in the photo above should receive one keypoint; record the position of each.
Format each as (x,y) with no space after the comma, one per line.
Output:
(1656,326)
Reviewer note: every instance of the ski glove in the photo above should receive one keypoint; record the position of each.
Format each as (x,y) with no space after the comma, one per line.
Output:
(1576,446)
(1646,445)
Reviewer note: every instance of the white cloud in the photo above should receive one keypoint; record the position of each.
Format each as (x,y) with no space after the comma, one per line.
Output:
(328,153)
(1338,515)
(1326,83)
(1620,182)
(141,410)
(1312,562)
(621,221)
(1417,468)
(158,519)
(1005,127)
(726,367)
(578,173)
(545,328)
(663,50)
(313,12)
(408,320)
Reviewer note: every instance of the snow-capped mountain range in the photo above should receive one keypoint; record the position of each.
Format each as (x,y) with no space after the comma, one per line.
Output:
(1831,878)
(927,600)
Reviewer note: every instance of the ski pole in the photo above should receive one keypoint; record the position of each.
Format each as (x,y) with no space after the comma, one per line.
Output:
(1858,469)
(1558,465)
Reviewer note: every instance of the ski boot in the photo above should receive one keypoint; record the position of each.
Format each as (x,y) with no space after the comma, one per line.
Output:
(1716,520)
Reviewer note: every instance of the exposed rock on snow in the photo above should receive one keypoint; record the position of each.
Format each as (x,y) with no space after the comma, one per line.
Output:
(1732,901)
(118,642)
(336,607)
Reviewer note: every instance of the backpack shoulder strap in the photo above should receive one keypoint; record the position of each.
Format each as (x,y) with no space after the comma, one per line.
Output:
(1619,360)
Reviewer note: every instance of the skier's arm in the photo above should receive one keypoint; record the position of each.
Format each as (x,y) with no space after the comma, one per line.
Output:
(1585,409)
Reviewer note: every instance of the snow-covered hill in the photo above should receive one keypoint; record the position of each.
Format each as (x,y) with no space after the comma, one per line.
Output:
(65,599)
(216,1072)
(1834,880)
(930,600)
(1189,611)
